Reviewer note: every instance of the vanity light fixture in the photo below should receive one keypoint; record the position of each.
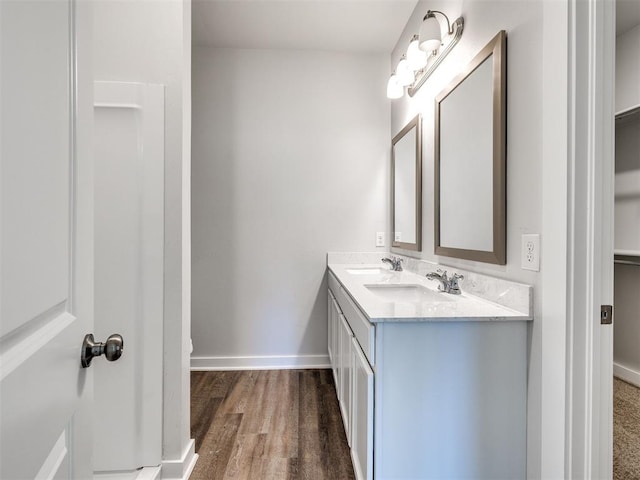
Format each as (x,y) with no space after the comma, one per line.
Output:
(424,54)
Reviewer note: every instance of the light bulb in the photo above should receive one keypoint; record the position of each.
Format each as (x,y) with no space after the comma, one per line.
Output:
(394,89)
(416,58)
(404,73)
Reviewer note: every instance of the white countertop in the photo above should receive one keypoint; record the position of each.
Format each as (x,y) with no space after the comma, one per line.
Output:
(464,307)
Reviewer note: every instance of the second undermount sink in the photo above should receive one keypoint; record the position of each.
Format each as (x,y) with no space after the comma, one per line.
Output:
(407,293)
(367,271)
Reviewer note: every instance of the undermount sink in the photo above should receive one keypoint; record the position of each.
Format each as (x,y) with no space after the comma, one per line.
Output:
(407,293)
(367,271)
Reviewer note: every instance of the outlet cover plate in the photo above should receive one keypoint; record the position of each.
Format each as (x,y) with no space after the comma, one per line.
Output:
(530,252)
(379,239)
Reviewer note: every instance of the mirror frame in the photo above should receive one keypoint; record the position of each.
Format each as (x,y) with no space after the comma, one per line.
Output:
(416,123)
(496,48)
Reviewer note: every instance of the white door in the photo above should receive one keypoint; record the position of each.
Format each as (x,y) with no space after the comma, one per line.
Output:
(46,277)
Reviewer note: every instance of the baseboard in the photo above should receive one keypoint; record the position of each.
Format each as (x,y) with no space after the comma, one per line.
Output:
(626,374)
(145,473)
(181,469)
(267,362)
(149,473)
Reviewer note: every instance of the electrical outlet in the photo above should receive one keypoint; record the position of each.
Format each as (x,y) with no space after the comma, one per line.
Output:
(530,253)
(379,239)
(397,236)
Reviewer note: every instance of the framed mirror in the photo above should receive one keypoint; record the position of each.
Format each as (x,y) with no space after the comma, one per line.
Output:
(406,187)
(470,160)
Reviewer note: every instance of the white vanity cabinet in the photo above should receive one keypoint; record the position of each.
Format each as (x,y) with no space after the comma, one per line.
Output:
(430,399)
(354,380)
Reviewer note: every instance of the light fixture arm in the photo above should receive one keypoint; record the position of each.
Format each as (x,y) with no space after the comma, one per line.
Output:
(431,13)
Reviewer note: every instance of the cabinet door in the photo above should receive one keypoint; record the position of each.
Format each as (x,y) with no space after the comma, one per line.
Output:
(334,340)
(362,431)
(346,362)
(330,326)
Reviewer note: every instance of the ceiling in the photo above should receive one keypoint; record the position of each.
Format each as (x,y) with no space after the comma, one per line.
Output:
(360,26)
(334,25)
(627,15)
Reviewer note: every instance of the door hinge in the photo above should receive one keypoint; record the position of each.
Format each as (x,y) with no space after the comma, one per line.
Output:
(606,314)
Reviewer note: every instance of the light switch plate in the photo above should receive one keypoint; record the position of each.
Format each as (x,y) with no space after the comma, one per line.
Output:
(379,239)
(530,252)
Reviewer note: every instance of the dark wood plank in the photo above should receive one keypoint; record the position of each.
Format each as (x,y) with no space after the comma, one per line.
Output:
(203,411)
(309,452)
(217,447)
(282,425)
(247,457)
(263,425)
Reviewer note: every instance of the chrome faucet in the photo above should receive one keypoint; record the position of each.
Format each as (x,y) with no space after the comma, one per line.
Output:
(441,277)
(446,284)
(394,262)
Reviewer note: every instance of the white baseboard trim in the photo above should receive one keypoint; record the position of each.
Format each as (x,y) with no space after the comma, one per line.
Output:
(181,469)
(145,473)
(150,473)
(267,362)
(626,374)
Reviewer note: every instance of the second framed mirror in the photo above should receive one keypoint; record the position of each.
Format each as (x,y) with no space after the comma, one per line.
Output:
(406,187)
(470,160)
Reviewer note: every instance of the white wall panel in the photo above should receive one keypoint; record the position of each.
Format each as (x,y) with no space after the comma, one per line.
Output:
(628,70)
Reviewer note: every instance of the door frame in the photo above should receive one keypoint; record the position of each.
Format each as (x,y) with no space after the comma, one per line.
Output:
(590,188)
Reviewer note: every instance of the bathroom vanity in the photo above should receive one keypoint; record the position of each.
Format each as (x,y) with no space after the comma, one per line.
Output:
(430,385)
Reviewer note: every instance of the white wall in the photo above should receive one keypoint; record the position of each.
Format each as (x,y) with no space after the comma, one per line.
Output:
(290,161)
(626,355)
(626,331)
(523,22)
(149,42)
(628,70)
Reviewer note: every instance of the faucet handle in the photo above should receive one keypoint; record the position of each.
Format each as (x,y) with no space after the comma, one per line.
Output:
(454,286)
(397,264)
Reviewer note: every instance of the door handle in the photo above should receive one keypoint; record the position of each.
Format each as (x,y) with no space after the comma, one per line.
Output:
(112,349)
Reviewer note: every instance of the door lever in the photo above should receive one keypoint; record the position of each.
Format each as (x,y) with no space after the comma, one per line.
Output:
(112,349)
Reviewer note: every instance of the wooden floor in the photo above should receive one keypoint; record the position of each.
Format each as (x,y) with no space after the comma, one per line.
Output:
(277,424)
